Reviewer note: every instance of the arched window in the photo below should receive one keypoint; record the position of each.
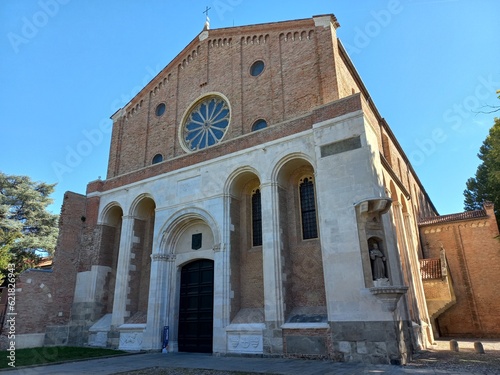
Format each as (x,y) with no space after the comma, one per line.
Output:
(259,124)
(256,218)
(157,158)
(308,208)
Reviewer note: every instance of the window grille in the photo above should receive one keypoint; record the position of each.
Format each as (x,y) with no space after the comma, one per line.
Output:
(308,209)
(256,219)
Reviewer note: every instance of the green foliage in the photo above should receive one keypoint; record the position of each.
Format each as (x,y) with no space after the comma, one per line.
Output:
(485,186)
(26,227)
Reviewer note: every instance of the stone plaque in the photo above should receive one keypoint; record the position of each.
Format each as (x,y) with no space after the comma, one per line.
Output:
(341,146)
(244,343)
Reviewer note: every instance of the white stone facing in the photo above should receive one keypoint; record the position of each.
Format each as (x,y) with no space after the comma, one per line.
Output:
(29,340)
(189,187)
(325,21)
(196,199)
(131,336)
(98,333)
(244,343)
(245,338)
(88,286)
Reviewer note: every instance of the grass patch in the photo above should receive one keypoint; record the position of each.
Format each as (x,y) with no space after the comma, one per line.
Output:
(52,354)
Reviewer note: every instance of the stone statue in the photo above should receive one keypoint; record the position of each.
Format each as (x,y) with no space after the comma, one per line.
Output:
(378,264)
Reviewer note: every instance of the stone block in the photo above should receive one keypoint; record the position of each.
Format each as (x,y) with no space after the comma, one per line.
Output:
(344,346)
(478,347)
(362,347)
(306,345)
(348,331)
(98,339)
(56,336)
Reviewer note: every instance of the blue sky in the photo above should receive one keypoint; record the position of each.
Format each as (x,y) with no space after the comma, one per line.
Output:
(67,65)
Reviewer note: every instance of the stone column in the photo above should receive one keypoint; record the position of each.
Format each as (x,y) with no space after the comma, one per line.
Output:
(426,334)
(122,272)
(159,296)
(402,243)
(272,268)
(409,302)
(222,291)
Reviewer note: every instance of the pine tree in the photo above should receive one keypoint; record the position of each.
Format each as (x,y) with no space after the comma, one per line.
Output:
(26,227)
(485,186)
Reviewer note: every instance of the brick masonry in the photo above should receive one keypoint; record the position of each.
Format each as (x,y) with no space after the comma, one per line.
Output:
(473,256)
(308,80)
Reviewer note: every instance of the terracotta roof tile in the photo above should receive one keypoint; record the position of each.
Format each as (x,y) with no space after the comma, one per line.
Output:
(467,215)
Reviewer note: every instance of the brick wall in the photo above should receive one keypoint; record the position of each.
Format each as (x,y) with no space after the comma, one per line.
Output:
(247,279)
(45,297)
(473,255)
(304,264)
(294,52)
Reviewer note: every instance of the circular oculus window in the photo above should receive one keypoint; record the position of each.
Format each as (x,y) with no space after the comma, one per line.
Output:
(257,68)
(160,109)
(206,123)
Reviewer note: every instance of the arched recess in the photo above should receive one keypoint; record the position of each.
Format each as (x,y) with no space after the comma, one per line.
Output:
(143,213)
(110,231)
(304,289)
(245,215)
(181,244)
(183,223)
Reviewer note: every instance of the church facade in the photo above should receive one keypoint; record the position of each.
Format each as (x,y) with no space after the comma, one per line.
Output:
(256,203)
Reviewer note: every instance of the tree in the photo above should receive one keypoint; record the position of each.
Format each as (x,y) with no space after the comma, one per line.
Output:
(485,186)
(26,227)
(491,108)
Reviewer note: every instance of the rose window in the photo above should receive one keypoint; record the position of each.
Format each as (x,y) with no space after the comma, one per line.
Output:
(206,123)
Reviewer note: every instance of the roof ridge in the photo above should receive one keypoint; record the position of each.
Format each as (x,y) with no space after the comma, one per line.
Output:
(466,215)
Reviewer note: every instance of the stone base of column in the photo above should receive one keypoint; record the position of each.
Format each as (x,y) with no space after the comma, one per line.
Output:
(308,341)
(113,338)
(375,342)
(272,339)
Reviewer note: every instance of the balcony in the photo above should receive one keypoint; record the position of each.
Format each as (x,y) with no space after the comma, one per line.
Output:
(438,288)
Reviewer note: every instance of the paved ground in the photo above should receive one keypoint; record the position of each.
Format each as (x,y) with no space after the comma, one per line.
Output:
(439,360)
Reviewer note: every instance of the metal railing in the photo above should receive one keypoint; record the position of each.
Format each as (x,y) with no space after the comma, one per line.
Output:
(431,269)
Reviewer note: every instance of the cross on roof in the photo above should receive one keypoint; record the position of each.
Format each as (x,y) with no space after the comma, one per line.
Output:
(206,11)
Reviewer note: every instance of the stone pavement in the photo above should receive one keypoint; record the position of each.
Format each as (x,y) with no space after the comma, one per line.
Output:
(133,362)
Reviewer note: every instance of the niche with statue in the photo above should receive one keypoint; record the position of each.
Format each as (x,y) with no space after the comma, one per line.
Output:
(375,252)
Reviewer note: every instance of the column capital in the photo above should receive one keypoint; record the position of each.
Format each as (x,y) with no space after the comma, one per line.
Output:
(218,247)
(271,184)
